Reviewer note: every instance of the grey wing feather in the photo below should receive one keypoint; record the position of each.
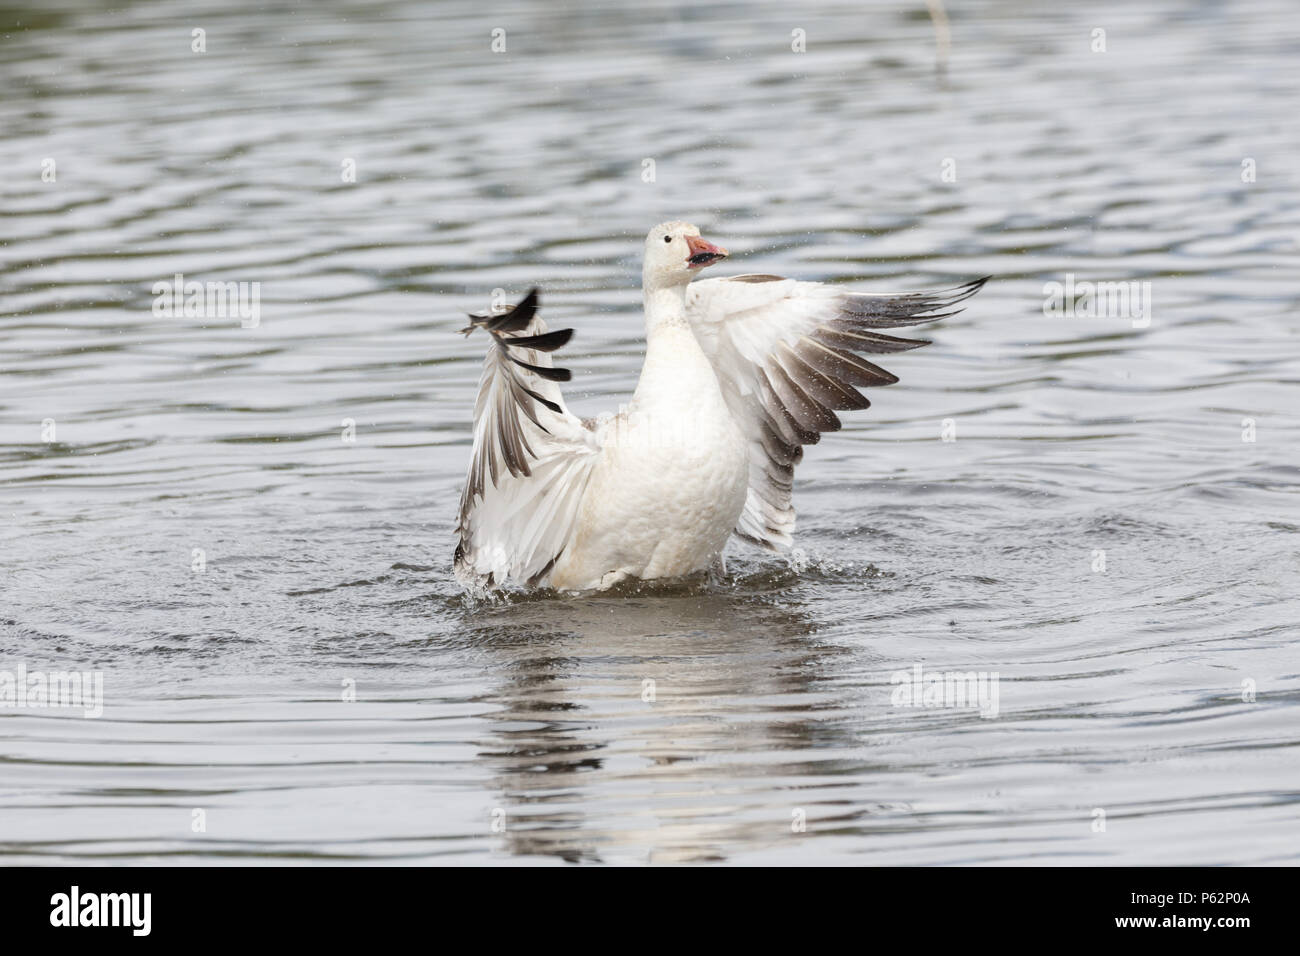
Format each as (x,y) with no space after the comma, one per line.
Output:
(788,356)
(531,456)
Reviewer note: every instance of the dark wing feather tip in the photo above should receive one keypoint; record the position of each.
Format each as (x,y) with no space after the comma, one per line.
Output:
(541,371)
(517,318)
(546,342)
(509,450)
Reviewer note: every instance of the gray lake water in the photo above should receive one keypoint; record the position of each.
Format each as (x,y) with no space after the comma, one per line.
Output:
(518,730)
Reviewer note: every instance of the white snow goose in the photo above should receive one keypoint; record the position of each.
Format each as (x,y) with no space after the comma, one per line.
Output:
(739,373)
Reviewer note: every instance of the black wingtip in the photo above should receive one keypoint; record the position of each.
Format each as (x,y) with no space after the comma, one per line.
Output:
(554,374)
(968,289)
(546,342)
(517,319)
(514,318)
(959,295)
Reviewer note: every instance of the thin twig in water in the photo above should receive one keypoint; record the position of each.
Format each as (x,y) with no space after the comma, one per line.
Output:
(942,35)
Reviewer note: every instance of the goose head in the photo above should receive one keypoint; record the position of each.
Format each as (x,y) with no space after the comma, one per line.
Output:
(675,254)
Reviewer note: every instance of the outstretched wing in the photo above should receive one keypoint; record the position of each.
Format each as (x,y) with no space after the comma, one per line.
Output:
(531,460)
(786,354)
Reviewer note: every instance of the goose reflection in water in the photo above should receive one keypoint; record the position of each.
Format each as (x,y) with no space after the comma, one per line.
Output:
(642,728)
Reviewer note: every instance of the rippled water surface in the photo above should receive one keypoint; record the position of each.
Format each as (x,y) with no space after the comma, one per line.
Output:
(520,730)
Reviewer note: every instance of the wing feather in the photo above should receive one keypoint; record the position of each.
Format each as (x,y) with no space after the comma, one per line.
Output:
(531,458)
(787,355)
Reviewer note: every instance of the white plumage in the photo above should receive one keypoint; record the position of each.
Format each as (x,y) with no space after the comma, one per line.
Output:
(739,374)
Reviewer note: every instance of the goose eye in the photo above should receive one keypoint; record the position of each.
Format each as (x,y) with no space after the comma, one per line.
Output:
(668,238)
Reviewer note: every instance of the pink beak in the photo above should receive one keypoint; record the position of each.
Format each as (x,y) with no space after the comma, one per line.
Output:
(703,253)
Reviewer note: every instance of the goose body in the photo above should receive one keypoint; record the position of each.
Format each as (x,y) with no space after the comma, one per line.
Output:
(670,482)
(739,373)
